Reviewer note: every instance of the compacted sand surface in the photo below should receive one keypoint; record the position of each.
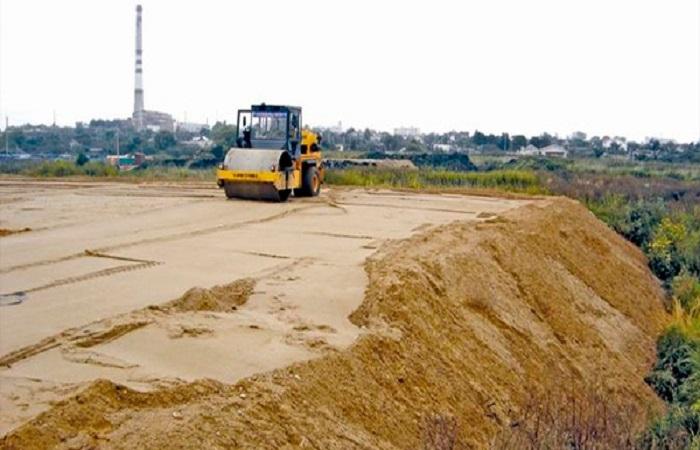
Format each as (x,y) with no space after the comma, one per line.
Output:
(107,271)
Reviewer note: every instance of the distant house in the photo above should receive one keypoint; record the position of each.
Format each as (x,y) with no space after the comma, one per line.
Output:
(73,145)
(199,141)
(126,162)
(554,150)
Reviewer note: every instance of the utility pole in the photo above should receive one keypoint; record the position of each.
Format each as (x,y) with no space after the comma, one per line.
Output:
(7,137)
(117,142)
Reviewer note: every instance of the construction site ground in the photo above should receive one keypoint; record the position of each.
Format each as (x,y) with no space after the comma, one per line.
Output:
(92,265)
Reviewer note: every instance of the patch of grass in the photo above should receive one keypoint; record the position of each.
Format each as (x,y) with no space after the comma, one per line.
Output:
(61,169)
(53,169)
(507,180)
(638,169)
(161,173)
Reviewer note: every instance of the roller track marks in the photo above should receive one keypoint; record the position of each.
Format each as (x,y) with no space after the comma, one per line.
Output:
(171,237)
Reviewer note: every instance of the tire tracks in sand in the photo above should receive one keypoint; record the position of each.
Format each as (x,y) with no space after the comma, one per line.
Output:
(102,251)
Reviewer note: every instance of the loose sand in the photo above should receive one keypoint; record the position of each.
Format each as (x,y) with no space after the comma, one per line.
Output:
(102,262)
(464,320)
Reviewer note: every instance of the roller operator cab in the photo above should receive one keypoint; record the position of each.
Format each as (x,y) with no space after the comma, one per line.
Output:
(274,156)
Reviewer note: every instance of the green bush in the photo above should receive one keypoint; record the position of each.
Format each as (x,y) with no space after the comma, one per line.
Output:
(636,221)
(98,169)
(670,249)
(82,159)
(689,247)
(538,163)
(53,169)
(69,168)
(674,363)
(676,379)
(676,429)
(642,219)
(670,238)
(613,209)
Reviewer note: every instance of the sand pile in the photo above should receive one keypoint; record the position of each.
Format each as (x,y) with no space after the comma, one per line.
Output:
(219,298)
(463,321)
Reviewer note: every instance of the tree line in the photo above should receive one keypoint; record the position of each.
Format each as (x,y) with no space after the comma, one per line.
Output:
(108,135)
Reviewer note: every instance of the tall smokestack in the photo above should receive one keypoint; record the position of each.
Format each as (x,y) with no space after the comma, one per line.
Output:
(138,87)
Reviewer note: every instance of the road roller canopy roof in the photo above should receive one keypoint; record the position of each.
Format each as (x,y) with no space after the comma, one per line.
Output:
(269,127)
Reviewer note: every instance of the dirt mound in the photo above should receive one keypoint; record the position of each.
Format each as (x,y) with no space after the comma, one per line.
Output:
(462,321)
(7,231)
(219,298)
(78,412)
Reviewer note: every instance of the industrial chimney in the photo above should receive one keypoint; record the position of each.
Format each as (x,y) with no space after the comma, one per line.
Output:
(138,88)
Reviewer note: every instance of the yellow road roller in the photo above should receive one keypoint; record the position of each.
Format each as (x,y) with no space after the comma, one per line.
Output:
(274,156)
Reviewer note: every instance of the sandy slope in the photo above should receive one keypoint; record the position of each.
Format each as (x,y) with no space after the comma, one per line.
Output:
(100,253)
(463,320)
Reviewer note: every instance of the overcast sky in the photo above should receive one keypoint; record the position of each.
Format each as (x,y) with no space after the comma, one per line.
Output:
(606,67)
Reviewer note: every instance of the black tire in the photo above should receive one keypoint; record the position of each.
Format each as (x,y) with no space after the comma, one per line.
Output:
(310,183)
(284,194)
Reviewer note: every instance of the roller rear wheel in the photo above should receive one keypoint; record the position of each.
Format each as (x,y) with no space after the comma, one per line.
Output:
(310,183)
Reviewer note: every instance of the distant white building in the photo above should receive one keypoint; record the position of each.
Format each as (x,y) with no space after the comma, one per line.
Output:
(153,120)
(554,150)
(199,141)
(407,132)
(95,153)
(447,148)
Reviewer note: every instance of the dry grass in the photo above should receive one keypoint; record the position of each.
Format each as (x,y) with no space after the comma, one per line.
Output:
(440,432)
(575,418)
